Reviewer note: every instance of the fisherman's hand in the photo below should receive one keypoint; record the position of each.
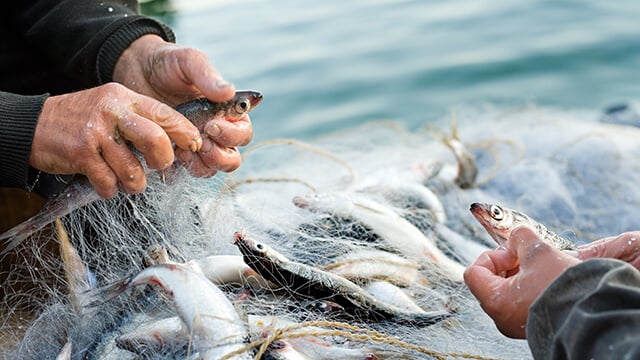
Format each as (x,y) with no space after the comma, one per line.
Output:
(175,74)
(625,247)
(506,281)
(85,132)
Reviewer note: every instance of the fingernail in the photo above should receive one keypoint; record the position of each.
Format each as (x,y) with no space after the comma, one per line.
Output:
(212,129)
(221,84)
(196,144)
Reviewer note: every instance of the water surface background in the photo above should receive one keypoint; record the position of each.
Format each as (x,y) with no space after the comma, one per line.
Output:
(329,65)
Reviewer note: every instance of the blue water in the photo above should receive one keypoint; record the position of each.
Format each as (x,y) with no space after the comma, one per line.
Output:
(328,65)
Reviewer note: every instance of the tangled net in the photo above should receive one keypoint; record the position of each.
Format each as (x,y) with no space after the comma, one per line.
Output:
(564,169)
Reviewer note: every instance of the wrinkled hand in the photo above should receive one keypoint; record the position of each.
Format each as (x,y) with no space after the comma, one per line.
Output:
(174,74)
(625,247)
(507,280)
(85,133)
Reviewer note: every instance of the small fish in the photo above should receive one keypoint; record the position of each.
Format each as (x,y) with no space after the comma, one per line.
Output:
(79,278)
(65,352)
(80,192)
(499,222)
(467,170)
(212,322)
(219,269)
(391,227)
(152,337)
(305,280)
(367,265)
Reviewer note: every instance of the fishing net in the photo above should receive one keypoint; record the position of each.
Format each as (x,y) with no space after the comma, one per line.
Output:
(564,169)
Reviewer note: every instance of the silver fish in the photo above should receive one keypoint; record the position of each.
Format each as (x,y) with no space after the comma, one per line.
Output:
(467,169)
(213,323)
(79,278)
(80,192)
(395,230)
(309,281)
(500,221)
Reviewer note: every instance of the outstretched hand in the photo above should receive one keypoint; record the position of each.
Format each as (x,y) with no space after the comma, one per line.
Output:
(174,74)
(506,281)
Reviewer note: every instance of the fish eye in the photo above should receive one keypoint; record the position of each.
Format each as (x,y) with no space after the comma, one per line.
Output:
(496,212)
(243,106)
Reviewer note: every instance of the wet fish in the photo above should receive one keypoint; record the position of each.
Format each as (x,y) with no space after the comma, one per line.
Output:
(79,278)
(500,221)
(152,337)
(65,352)
(305,280)
(219,269)
(467,170)
(213,323)
(80,192)
(395,230)
(367,265)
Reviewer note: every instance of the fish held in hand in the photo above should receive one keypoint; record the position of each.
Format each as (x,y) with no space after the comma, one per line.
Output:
(500,221)
(80,192)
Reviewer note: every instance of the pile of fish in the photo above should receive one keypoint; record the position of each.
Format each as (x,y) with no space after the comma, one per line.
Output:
(359,256)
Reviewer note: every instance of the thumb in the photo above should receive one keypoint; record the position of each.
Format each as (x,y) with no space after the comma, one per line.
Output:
(540,262)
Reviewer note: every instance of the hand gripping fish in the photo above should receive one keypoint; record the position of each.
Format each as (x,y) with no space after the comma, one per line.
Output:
(499,222)
(80,192)
(309,281)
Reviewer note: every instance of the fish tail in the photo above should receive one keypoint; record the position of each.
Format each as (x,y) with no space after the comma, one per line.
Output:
(109,292)
(13,238)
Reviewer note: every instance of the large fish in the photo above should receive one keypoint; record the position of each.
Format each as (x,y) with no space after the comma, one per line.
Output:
(80,192)
(500,221)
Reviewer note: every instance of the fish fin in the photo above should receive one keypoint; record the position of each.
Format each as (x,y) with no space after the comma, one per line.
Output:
(108,292)
(73,197)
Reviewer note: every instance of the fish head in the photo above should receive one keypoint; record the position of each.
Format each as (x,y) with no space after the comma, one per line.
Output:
(260,257)
(255,250)
(243,102)
(496,220)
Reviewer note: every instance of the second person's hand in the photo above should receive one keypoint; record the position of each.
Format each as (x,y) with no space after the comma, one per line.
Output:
(507,280)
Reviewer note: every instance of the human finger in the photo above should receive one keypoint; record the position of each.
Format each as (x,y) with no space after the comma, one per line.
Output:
(178,128)
(488,271)
(125,165)
(103,179)
(197,70)
(540,262)
(215,158)
(230,133)
(625,246)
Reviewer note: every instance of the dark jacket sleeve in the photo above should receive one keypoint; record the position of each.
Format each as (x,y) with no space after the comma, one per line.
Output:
(592,311)
(80,42)
(83,38)
(18,116)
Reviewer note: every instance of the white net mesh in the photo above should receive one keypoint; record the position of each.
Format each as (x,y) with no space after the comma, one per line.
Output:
(562,168)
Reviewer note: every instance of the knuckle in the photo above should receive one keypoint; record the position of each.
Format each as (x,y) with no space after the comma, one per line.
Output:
(157,139)
(134,184)
(110,89)
(161,112)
